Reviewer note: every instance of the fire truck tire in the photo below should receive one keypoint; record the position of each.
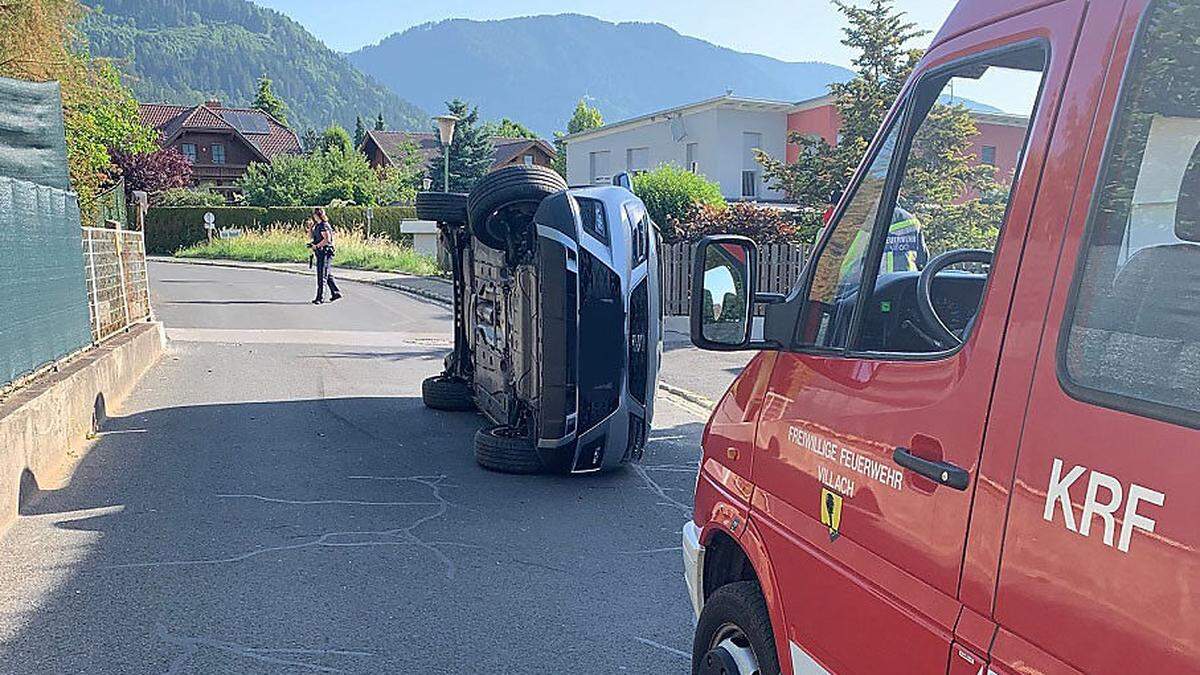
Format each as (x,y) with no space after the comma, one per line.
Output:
(441,392)
(734,631)
(512,185)
(442,207)
(503,449)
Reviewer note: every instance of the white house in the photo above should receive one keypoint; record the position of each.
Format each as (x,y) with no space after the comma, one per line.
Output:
(716,138)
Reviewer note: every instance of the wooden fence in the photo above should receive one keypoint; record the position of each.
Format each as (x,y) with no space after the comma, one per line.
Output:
(779,267)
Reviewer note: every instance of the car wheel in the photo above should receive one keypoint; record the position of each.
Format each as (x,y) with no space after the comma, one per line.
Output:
(733,635)
(505,449)
(507,199)
(442,207)
(442,392)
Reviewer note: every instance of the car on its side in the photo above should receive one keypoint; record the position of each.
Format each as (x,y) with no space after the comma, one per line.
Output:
(558,320)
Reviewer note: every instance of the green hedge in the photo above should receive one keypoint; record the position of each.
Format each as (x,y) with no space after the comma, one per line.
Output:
(169,229)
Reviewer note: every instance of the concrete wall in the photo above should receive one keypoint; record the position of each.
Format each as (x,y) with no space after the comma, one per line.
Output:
(45,426)
(717,133)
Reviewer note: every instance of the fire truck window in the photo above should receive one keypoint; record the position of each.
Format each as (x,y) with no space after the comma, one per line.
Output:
(838,273)
(1132,339)
(949,199)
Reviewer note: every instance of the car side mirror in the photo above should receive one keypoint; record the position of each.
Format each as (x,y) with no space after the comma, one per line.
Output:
(724,292)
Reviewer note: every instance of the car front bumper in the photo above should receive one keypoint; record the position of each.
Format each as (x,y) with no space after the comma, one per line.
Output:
(693,565)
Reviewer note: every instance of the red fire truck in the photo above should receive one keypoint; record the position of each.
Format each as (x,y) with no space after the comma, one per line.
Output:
(985,461)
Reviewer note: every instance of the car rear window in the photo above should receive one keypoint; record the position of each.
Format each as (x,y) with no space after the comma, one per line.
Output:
(1132,339)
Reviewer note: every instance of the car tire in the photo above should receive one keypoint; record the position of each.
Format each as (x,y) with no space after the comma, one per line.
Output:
(739,612)
(502,449)
(442,392)
(511,186)
(442,207)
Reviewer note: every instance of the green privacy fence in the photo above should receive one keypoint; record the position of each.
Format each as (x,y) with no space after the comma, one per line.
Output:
(42,289)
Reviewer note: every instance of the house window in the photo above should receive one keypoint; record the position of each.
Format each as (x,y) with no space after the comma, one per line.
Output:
(637,160)
(693,161)
(189,151)
(988,155)
(749,184)
(527,160)
(218,153)
(751,144)
(598,166)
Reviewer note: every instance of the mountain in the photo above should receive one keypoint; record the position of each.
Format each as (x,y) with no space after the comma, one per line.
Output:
(187,51)
(535,69)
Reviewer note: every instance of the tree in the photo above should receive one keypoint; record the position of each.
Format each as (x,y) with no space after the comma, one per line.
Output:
(310,140)
(471,152)
(153,172)
(39,42)
(266,101)
(584,118)
(507,128)
(360,132)
(333,173)
(335,137)
(380,125)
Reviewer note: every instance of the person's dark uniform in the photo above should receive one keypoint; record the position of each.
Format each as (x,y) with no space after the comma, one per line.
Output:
(324,256)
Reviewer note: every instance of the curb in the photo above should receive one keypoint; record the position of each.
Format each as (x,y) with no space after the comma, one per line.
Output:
(690,398)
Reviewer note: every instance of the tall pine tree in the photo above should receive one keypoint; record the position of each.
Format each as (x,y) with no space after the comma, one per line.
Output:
(360,131)
(379,123)
(471,152)
(266,101)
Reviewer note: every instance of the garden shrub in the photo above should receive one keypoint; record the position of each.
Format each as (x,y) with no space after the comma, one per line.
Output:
(671,193)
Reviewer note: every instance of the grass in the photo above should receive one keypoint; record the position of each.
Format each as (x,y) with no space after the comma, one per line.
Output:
(284,244)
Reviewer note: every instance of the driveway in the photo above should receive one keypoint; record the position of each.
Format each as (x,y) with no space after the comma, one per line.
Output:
(275,499)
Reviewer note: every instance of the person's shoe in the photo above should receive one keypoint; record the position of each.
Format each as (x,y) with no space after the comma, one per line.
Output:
(318,301)
(335,296)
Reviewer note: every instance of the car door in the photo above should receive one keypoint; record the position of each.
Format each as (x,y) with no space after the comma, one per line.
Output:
(1100,565)
(873,422)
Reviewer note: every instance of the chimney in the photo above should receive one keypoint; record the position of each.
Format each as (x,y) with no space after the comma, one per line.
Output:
(213,103)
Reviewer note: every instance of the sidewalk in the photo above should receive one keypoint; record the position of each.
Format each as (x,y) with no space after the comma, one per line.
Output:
(430,288)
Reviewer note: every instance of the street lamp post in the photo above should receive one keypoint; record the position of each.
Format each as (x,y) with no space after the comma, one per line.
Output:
(445,124)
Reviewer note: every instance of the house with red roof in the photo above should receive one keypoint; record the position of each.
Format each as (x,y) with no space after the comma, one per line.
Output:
(385,148)
(220,142)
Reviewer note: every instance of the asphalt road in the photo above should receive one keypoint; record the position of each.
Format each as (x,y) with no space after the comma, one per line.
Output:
(275,499)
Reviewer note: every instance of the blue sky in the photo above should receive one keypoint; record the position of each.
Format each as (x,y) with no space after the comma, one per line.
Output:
(793,30)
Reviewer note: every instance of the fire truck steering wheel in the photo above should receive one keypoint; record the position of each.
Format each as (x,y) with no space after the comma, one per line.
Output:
(941,334)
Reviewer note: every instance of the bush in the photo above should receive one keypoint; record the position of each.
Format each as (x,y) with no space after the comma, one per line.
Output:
(670,194)
(170,229)
(287,244)
(763,224)
(187,197)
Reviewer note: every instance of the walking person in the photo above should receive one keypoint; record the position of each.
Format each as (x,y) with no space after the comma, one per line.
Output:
(322,247)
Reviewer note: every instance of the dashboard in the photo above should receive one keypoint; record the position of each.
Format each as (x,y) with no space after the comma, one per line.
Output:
(893,321)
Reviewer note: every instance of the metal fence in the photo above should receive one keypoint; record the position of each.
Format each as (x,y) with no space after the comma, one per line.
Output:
(117,287)
(779,267)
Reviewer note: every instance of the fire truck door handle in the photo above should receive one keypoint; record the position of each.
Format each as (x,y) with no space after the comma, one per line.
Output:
(942,473)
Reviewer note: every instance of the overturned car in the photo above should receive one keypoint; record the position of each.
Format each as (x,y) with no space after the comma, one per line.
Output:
(558,323)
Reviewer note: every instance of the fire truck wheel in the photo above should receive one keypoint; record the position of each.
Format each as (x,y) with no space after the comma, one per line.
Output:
(441,392)
(733,635)
(442,207)
(504,449)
